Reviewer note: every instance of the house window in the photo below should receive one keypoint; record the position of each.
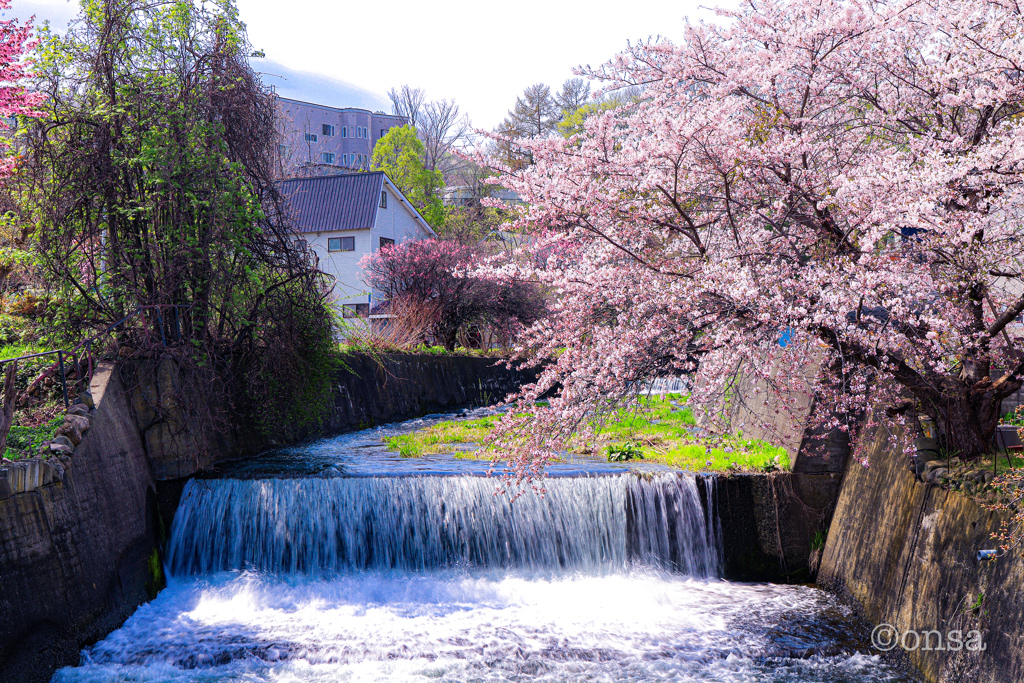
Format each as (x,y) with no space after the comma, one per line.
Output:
(341,244)
(310,137)
(299,244)
(282,150)
(359,131)
(383,200)
(383,132)
(328,157)
(344,131)
(355,310)
(386,242)
(344,159)
(327,130)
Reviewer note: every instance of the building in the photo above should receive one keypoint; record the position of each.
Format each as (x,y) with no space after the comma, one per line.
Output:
(345,217)
(321,140)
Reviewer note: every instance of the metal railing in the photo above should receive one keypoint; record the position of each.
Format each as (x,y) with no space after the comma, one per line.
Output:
(86,347)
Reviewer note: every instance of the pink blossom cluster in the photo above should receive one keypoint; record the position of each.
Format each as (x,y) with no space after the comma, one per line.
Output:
(15,99)
(843,176)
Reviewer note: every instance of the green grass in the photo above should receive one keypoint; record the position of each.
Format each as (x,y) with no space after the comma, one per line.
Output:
(24,442)
(661,429)
(16,350)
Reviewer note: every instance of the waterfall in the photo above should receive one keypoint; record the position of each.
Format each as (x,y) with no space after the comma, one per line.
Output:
(586,524)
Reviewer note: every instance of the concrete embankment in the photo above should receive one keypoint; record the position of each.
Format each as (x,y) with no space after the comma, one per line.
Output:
(78,553)
(905,554)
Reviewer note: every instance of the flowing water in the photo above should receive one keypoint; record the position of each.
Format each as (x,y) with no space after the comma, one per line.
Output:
(298,567)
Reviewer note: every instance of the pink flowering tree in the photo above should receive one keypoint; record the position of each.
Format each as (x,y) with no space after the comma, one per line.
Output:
(15,100)
(842,175)
(436,276)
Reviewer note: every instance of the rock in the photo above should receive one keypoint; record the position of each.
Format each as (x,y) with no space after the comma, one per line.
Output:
(47,473)
(72,432)
(933,465)
(61,449)
(85,398)
(63,440)
(5,485)
(79,421)
(78,409)
(58,469)
(989,476)
(934,476)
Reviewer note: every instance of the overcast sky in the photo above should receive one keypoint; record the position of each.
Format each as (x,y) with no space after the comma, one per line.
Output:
(481,53)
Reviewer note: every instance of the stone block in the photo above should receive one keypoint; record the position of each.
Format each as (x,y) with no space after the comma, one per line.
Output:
(72,432)
(17,476)
(61,449)
(78,409)
(57,468)
(47,473)
(5,484)
(79,421)
(33,473)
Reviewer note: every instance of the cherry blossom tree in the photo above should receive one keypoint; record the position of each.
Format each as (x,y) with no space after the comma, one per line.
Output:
(15,100)
(824,182)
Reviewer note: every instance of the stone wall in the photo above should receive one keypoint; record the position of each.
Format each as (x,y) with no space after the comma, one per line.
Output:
(77,550)
(769,523)
(368,390)
(905,553)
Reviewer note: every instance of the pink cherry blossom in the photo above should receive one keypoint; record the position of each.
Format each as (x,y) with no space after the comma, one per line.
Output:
(844,173)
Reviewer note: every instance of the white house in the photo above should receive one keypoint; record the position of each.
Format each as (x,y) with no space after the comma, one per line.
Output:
(344,217)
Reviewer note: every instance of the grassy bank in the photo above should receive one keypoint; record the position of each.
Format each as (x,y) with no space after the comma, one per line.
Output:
(661,430)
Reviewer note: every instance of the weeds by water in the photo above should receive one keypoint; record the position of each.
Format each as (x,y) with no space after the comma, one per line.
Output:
(661,430)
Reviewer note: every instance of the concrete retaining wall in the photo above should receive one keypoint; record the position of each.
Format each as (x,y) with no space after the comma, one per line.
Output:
(76,543)
(905,553)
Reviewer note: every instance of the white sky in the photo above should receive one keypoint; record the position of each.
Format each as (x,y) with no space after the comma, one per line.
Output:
(481,53)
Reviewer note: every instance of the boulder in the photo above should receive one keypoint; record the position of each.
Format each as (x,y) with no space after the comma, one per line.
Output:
(78,409)
(935,476)
(63,440)
(85,398)
(80,421)
(72,432)
(61,449)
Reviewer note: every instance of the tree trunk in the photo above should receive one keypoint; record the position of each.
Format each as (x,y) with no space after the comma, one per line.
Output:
(967,421)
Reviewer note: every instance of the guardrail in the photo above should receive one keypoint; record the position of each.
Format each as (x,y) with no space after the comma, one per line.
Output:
(85,347)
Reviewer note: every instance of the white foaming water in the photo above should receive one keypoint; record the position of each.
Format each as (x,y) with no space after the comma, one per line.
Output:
(437,579)
(451,625)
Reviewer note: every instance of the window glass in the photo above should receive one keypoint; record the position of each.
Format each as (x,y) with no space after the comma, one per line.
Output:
(383,200)
(327,129)
(355,310)
(310,137)
(386,242)
(341,244)
(328,157)
(344,131)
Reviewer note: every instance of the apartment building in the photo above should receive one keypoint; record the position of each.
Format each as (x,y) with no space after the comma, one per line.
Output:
(320,140)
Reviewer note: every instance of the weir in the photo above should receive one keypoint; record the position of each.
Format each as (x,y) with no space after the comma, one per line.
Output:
(590,524)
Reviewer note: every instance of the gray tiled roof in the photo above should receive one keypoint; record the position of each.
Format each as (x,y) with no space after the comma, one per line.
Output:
(340,202)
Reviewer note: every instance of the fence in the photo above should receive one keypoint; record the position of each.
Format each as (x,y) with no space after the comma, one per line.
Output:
(86,347)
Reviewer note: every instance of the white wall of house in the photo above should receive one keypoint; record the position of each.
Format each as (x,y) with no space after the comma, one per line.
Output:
(397,222)
(343,265)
